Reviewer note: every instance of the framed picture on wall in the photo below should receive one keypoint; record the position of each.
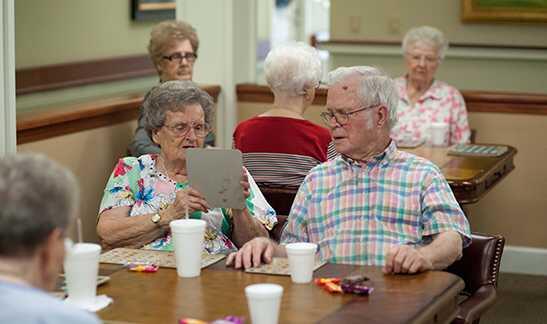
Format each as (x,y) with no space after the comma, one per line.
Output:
(504,10)
(152,10)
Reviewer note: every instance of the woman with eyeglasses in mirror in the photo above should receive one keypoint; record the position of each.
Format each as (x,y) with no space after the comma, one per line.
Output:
(173,49)
(143,195)
(423,99)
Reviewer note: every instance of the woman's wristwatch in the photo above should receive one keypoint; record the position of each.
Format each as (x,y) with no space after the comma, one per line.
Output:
(156,218)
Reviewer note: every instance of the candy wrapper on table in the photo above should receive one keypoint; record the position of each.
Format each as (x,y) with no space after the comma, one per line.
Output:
(147,268)
(226,320)
(350,285)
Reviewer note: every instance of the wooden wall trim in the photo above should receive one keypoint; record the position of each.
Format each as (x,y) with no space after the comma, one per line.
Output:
(59,76)
(384,42)
(46,123)
(476,101)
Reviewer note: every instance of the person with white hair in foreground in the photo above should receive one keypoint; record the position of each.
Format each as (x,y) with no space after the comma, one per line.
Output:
(374,204)
(425,100)
(39,200)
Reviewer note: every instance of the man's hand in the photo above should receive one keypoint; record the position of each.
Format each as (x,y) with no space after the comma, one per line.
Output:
(253,253)
(406,259)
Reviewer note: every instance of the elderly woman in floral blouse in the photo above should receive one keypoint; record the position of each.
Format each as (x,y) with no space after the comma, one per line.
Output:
(423,99)
(144,194)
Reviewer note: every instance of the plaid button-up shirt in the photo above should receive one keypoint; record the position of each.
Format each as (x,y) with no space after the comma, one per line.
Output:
(355,211)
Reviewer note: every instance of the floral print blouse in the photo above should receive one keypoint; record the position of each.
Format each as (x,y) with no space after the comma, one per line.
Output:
(135,182)
(440,103)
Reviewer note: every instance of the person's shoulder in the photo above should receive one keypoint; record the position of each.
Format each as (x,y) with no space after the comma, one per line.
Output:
(326,168)
(414,163)
(446,89)
(250,124)
(27,305)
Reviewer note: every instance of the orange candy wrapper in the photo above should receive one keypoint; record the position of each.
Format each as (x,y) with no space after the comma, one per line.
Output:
(332,285)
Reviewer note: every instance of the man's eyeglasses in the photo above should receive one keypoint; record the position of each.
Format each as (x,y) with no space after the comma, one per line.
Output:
(179,56)
(181,130)
(342,118)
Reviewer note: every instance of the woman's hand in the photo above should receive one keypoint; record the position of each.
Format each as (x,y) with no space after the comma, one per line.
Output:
(245,184)
(186,201)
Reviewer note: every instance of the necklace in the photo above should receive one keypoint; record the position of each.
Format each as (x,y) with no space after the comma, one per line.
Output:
(164,174)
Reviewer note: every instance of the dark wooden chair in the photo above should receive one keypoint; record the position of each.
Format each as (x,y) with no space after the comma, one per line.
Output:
(473,136)
(281,199)
(479,269)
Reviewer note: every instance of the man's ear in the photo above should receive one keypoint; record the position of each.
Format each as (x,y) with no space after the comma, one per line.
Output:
(383,116)
(309,93)
(51,256)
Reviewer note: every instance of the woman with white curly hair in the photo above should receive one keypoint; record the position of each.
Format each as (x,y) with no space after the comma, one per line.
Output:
(423,99)
(280,146)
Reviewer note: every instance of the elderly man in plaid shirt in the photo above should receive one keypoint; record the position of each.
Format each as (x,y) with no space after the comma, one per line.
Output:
(374,204)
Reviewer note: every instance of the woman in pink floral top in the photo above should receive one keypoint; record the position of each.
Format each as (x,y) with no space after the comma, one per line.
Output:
(144,194)
(424,100)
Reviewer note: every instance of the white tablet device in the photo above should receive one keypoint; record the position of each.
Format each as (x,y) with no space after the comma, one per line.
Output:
(216,173)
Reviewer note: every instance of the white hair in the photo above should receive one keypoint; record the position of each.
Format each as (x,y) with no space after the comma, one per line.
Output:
(291,68)
(376,87)
(426,34)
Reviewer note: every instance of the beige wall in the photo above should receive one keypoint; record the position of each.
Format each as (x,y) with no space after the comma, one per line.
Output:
(61,31)
(517,206)
(91,155)
(469,69)
(390,19)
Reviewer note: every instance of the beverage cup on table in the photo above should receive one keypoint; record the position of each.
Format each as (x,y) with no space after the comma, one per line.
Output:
(187,235)
(439,134)
(301,261)
(81,271)
(264,301)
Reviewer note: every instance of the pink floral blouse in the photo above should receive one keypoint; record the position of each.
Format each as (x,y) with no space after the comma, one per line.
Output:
(441,103)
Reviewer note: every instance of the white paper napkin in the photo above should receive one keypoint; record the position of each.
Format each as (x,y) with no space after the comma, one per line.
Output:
(100,302)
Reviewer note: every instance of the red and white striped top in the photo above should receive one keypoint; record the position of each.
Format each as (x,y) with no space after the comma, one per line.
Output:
(281,150)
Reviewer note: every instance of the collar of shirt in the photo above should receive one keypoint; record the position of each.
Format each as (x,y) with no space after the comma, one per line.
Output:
(434,92)
(382,158)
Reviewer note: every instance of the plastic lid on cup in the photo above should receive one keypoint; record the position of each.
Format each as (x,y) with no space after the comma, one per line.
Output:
(264,291)
(301,248)
(82,249)
(187,225)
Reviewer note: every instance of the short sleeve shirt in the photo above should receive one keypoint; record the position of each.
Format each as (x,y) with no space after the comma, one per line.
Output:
(136,183)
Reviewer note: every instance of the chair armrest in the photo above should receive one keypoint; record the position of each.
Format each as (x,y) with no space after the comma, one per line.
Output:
(277,230)
(473,307)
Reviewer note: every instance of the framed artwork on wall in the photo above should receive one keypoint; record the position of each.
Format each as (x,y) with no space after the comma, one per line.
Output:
(504,10)
(152,10)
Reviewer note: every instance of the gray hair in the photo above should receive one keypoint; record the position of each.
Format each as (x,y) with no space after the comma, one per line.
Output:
(376,87)
(289,69)
(38,196)
(174,96)
(426,34)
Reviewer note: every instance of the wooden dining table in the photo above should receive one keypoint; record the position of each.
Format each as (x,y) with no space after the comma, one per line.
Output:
(163,297)
(470,177)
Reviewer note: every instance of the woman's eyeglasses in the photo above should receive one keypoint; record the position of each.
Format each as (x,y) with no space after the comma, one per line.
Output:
(180,56)
(430,60)
(342,118)
(181,130)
